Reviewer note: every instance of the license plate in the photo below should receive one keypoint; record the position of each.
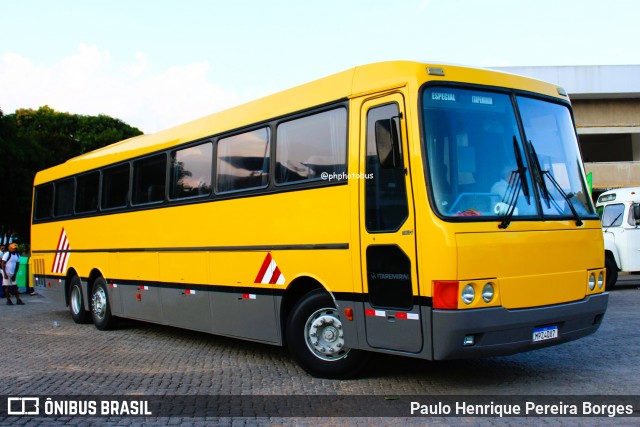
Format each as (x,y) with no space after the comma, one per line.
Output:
(546,333)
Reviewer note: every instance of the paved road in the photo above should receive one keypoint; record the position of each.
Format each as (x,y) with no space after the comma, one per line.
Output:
(45,353)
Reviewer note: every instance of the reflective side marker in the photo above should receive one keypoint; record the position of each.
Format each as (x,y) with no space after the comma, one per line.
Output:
(349,313)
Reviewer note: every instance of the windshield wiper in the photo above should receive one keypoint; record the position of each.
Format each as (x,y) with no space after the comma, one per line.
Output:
(521,170)
(517,182)
(540,174)
(606,227)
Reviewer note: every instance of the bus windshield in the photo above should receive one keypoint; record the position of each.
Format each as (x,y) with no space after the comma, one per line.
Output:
(481,167)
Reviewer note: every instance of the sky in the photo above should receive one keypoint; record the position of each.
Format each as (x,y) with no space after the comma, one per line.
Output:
(158,63)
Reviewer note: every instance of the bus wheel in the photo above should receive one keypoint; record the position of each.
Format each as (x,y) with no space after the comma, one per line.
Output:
(78,312)
(612,272)
(316,341)
(100,307)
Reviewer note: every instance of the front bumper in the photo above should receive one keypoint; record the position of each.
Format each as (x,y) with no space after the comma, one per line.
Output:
(498,331)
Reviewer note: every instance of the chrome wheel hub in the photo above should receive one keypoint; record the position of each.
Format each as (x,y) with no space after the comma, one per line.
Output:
(324,335)
(99,303)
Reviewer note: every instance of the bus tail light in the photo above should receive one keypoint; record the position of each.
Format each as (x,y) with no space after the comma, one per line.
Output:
(445,294)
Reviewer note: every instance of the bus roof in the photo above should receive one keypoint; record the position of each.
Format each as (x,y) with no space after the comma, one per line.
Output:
(628,194)
(351,83)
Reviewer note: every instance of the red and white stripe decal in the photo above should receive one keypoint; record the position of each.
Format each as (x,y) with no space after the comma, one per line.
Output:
(114,285)
(189,292)
(144,288)
(248,296)
(269,273)
(62,254)
(398,314)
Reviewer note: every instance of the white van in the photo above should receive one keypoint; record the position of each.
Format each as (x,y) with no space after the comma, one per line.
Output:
(619,211)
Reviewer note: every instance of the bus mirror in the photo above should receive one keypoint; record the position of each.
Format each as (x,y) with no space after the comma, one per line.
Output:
(636,213)
(388,144)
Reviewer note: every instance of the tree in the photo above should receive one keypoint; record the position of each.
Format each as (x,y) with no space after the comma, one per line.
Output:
(33,140)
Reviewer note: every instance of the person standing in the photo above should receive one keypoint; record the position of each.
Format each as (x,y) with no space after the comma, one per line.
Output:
(10,265)
(2,251)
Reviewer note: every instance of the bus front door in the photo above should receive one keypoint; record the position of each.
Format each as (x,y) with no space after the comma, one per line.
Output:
(390,287)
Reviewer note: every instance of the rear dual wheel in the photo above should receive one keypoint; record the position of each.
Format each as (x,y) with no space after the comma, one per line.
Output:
(76,302)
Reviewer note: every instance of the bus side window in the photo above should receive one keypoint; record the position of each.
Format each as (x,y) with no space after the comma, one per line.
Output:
(148,179)
(64,196)
(191,171)
(44,202)
(311,147)
(87,191)
(242,161)
(115,186)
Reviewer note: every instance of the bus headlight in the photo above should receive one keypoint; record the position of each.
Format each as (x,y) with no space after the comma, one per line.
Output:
(488,292)
(592,281)
(468,294)
(600,280)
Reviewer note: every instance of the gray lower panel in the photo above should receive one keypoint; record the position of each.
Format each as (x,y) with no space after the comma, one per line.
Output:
(355,332)
(237,314)
(243,315)
(187,308)
(53,288)
(394,329)
(142,302)
(498,331)
(115,298)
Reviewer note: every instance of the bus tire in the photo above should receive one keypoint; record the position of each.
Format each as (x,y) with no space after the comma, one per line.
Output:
(100,306)
(612,272)
(76,302)
(315,339)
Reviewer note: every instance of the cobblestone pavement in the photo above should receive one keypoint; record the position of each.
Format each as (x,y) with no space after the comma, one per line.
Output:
(45,353)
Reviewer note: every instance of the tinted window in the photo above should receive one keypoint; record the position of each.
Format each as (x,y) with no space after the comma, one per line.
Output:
(385,191)
(191,171)
(149,179)
(64,198)
(243,161)
(115,186)
(44,201)
(87,192)
(311,147)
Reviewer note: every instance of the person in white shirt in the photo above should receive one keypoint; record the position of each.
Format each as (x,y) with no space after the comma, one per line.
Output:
(10,264)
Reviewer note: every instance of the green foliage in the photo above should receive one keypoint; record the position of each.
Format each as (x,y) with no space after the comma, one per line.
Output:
(32,140)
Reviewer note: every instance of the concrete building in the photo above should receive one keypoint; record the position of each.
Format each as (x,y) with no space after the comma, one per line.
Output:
(606,104)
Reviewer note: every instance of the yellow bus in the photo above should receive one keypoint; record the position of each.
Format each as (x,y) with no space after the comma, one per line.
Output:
(425,210)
